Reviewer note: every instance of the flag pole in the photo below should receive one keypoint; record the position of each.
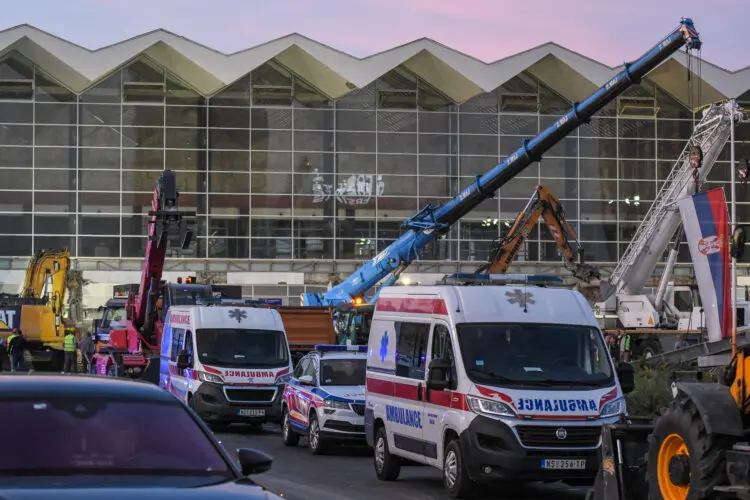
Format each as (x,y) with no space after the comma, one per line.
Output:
(734,227)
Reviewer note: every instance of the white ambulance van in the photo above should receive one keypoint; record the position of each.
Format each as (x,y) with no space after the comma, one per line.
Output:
(228,363)
(509,381)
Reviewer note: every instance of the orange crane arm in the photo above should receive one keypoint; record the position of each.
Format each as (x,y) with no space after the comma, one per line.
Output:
(543,203)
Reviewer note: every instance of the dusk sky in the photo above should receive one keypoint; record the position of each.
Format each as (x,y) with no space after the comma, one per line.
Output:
(609,31)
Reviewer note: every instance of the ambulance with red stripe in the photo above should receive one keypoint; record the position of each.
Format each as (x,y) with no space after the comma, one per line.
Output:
(507,382)
(228,363)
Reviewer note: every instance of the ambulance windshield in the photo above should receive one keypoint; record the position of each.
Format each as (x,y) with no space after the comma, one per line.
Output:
(535,354)
(229,347)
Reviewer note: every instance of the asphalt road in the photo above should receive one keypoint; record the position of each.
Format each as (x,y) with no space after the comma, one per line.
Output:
(347,473)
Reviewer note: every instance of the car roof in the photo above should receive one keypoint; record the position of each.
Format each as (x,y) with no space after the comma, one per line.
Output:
(33,385)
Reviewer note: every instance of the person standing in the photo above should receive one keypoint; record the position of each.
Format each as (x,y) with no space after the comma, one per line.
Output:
(3,354)
(624,346)
(87,351)
(70,345)
(16,346)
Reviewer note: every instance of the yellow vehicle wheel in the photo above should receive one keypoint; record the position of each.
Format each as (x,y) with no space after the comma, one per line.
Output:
(674,468)
(685,462)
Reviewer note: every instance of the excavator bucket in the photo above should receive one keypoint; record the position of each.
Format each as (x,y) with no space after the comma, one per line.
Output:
(622,475)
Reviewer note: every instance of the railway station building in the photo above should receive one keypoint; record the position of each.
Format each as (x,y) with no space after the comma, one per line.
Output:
(302,161)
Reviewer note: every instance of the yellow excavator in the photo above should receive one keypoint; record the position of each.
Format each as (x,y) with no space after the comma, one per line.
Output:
(39,309)
(543,203)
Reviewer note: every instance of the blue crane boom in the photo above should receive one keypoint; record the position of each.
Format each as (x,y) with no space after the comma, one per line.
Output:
(435,220)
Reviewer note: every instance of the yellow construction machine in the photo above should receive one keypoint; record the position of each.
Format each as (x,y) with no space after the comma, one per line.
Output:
(39,309)
(545,205)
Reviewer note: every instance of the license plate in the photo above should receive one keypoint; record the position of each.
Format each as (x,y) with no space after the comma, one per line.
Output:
(245,412)
(564,464)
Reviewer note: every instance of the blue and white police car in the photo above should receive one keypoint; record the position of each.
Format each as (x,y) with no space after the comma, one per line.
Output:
(325,399)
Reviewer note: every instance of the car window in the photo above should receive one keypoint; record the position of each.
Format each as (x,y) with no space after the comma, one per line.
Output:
(99,436)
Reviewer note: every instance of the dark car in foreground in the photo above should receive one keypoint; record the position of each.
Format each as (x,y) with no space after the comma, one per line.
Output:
(86,437)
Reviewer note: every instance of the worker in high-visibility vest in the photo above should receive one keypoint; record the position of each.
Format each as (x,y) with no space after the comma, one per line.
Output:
(16,346)
(70,347)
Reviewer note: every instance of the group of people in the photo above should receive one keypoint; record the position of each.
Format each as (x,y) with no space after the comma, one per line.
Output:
(14,346)
(619,345)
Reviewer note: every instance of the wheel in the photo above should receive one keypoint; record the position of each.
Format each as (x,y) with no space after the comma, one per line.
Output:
(291,438)
(315,441)
(387,466)
(683,459)
(456,479)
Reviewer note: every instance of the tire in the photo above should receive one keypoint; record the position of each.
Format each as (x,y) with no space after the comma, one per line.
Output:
(456,478)
(681,432)
(315,441)
(291,438)
(387,466)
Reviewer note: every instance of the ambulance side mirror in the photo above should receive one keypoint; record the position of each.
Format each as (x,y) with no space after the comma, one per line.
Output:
(306,380)
(183,360)
(626,374)
(437,377)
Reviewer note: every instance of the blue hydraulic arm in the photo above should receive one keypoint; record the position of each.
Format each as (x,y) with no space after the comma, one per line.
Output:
(434,220)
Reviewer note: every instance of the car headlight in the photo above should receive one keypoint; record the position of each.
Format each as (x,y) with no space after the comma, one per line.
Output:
(210,378)
(613,408)
(336,405)
(489,407)
(284,379)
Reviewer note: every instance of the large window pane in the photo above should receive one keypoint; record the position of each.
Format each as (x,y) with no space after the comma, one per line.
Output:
(234,161)
(56,113)
(16,112)
(143,115)
(99,247)
(100,137)
(54,180)
(271,140)
(100,114)
(16,156)
(99,180)
(15,178)
(141,159)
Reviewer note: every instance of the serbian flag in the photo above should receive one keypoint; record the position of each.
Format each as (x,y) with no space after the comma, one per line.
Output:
(706,222)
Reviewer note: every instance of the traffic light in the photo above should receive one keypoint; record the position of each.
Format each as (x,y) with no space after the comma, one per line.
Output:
(190,280)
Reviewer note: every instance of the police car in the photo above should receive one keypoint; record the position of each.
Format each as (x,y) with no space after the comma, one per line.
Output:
(325,399)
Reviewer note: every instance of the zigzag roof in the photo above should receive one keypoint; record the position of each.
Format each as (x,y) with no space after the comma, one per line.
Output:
(459,76)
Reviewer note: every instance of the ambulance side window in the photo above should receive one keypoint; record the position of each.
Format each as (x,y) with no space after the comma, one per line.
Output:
(411,349)
(189,345)
(178,334)
(442,348)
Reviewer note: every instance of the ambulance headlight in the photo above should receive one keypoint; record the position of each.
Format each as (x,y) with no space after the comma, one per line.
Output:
(284,379)
(335,405)
(613,408)
(209,377)
(489,407)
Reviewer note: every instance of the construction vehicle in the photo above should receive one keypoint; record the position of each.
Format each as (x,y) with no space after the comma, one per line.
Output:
(674,309)
(542,204)
(696,449)
(38,311)
(133,346)
(435,221)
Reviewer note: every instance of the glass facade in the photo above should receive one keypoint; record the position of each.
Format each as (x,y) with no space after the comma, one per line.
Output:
(276,170)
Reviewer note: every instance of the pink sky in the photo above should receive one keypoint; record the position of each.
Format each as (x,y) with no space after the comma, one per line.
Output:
(611,32)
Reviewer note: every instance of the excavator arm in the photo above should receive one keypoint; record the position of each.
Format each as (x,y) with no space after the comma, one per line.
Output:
(543,203)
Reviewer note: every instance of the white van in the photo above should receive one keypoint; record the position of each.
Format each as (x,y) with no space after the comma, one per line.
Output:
(489,383)
(228,363)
